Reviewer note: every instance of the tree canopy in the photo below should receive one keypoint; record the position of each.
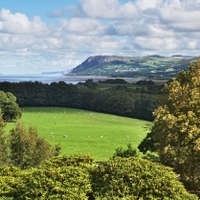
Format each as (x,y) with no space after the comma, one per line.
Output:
(8,106)
(24,148)
(175,134)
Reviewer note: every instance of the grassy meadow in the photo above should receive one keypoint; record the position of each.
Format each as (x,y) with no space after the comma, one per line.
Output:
(80,131)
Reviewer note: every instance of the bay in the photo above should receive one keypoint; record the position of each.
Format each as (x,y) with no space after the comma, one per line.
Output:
(51,79)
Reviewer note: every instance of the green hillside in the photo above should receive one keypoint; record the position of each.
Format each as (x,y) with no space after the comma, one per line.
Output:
(150,66)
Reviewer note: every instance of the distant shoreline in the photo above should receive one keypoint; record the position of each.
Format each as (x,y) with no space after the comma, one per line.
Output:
(56,78)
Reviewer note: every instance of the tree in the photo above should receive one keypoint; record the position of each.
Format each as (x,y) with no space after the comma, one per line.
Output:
(3,143)
(144,105)
(27,148)
(125,153)
(175,134)
(8,107)
(91,84)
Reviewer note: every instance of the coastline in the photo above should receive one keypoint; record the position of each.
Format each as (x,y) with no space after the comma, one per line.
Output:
(56,78)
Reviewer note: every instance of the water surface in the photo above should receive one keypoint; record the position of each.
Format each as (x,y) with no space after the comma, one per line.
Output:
(50,79)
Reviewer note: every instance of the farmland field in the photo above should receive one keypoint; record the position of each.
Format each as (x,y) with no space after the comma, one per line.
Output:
(80,131)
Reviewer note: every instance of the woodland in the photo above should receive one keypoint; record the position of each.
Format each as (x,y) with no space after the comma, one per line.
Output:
(130,100)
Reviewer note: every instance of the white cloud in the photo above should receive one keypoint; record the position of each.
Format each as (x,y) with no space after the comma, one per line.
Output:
(14,23)
(18,23)
(99,27)
(100,8)
(83,26)
(179,15)
(108,9)
(148,4)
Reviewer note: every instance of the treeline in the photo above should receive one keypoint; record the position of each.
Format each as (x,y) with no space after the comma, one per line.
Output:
(119,100)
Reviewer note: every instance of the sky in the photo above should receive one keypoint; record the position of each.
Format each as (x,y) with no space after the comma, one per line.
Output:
(56,35)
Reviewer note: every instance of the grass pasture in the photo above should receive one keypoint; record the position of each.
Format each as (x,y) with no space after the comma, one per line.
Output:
(80,131)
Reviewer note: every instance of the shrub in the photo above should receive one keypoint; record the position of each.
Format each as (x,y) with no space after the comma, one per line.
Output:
(55,183)
(65,177)
(134,178)
(125,153)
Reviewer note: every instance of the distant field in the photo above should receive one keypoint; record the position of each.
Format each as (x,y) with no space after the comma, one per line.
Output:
(80,131)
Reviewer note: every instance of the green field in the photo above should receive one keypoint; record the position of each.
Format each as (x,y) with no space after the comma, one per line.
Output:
(80,131)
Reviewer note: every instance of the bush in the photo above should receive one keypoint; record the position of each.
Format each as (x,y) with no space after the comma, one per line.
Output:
(65,177)
(55,183)
(125,153)
(76,160)
(9,178)
(134,178)
(76,177)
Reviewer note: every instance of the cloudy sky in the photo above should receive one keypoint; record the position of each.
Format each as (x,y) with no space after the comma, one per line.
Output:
(56,35)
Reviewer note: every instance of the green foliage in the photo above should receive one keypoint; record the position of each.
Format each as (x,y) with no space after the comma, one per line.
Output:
(48,181)
(3,143)
(27,148)
(125,153)
(151,157)
(134,178)
(78,177)
(144,106)
(9,178)
(8,106)
(176,128)
(120,100)
(90,84)
(77,160)
(55,183)
(114,81)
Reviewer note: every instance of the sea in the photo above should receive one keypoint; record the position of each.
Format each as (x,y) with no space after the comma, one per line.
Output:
(57,78)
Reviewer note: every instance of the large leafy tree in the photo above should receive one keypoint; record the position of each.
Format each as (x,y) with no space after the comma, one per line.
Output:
(175,133)
(8,107)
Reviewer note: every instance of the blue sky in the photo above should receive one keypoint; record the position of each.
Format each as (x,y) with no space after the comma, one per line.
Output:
(56,35)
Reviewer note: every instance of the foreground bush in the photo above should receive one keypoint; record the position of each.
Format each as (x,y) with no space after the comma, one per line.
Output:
(76,160)
(65,177)
(134,178)
(77,177)
(10,177)
(55,183)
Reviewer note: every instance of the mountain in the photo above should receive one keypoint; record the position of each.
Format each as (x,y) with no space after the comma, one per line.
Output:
(153,65)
